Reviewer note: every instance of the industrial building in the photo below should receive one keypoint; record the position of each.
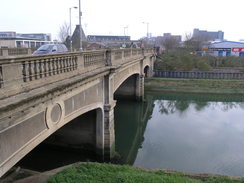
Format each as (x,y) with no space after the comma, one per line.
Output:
(225,48)
(204,35)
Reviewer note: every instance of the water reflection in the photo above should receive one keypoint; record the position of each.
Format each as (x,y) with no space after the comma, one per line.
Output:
(129,129)
(193,133)
(170,104)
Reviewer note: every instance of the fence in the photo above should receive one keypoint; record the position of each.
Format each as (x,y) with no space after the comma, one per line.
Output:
(198,75)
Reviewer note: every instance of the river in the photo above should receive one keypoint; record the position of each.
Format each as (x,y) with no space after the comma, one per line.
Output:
(195,133)
(191,133)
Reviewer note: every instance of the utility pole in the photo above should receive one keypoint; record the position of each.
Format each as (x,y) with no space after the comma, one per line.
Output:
(124,46)
(80,14)
(147,28)
(70,26)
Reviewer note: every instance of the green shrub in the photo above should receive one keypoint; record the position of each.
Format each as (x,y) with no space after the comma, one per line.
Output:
(181,61)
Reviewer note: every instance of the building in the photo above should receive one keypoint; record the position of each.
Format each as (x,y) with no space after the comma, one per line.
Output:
(160,41)
(108,41)
(203,35)
(226,48)
(40,36)
(105,38)
(170,36)
(7,34)
(14,40)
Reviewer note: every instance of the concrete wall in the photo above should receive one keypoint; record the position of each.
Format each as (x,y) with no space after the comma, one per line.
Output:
(54,101)
(80,133)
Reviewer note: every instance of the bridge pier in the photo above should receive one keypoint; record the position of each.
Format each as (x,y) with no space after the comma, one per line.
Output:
(139,87)
(109,134)
(109,104)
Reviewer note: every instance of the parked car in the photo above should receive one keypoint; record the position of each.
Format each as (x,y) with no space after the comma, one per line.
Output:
(51,49)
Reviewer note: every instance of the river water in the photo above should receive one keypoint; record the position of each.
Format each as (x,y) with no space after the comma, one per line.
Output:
(191,133)
(185,132)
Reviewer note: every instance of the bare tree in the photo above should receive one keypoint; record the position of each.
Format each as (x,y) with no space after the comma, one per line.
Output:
(170,43)
(63,32)
(194,43)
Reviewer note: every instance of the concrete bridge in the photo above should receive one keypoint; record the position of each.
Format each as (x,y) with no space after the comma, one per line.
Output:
(66,99)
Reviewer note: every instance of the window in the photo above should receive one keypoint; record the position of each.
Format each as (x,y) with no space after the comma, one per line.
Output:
(241,54)
(54,48)
(220,53)
(228,53)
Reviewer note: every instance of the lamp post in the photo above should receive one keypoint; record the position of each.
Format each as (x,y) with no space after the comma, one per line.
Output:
(127,30)
(70,26)
(80,14)
(147,28)
(124,46)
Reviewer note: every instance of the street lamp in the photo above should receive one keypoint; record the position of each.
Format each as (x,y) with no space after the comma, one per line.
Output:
(124,45)
(70,25)
(80,14)
(125,29)
(147,28)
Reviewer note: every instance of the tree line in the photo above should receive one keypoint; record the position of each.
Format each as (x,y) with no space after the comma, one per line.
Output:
(183,57)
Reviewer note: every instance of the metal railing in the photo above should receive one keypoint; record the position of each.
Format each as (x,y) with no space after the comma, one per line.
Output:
(198,75)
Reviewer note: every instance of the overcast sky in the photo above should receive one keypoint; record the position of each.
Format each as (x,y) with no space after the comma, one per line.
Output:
(109,17)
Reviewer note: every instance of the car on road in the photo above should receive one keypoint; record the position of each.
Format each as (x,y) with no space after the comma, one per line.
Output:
(51,49)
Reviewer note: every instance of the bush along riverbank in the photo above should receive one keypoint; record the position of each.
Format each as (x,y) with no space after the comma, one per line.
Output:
(195,85)
(109,173)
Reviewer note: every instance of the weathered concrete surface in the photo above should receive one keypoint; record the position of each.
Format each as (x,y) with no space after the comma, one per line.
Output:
(74,85)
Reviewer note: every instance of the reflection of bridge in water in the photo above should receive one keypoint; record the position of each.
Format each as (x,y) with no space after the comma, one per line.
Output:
(130,130)
(69,97)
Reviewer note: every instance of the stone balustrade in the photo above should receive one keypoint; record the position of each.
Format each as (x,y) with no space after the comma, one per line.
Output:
(22,73)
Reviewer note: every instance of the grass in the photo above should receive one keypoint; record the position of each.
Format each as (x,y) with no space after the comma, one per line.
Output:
(195,85)
(109,173)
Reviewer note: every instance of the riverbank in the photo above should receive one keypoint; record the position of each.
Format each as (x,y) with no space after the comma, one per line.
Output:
(195,85)
(109,173)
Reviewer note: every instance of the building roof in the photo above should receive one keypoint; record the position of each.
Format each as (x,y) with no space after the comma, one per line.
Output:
(19,38)
(236,42)
(107,37)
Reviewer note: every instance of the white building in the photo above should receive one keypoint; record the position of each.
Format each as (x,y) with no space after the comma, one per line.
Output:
(226,48)
(13,40)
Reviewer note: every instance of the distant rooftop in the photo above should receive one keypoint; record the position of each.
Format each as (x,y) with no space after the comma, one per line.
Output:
(107,38)
(10,35)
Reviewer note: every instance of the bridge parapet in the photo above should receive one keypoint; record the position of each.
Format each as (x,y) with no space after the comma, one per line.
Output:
(22,73)
(122,56)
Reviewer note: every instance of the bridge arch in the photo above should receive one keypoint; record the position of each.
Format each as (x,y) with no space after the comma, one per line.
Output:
(130,87)
(146,71)
(84,132)
(123,77)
